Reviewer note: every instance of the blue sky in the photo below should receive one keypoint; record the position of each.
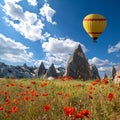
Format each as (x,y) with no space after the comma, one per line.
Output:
(32,31)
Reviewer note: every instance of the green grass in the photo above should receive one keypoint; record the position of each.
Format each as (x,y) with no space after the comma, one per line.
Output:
(73,93)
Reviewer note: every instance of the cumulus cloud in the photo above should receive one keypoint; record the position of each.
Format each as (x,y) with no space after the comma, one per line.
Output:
(29,25)
(114,48)
(38,62)
(104,69)
(61,45)
(13,51)
(13,10)
(32,2)
(47,12)
(26,23)
(58,50)
(104,66)
(98,62)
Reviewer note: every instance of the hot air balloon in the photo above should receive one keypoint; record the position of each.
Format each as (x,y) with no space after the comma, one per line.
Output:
(94,25)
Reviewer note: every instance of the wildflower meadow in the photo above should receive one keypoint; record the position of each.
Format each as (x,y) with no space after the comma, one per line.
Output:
(59,99)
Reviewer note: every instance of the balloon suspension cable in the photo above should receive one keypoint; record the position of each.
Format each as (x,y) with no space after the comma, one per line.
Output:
(94,41)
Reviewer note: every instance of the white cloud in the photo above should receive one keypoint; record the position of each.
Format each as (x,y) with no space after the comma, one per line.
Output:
(47,12)
(13,51)
(98,62)
(13,10)
(104,66)
(57,59)
(26,23)
(104,69)
(58,50)
(61,45)
(12,1)
(38,62)
(32,2)
(114,48)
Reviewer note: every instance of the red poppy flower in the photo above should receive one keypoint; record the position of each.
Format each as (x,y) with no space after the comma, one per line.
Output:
(85,112)
(70,78)
(91,92)
(25,98)
(59,93)
(12,84)
(14,109)
(43,84)
(118,76)
(5,93)
(112,85)
(78,85)
(8,103)
(21,86)
(97,80)
(91,88)
(94,83)
(7,85)
(32,92)
(31,99)
(47,107)
(78,115)
(24,92)
(69,110)
(91,97)
(37,95)
(8,111)
(110,96)
(15,101)
(63,78)
(17,94)
(28,87)
(33,82)
(105,81)
(45,94)
(67,95)
(1,108)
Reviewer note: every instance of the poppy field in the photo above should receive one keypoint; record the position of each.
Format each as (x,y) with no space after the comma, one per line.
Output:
(59,99)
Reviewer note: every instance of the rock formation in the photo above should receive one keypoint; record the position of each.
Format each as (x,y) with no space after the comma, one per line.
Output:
(9,71)
(51,72)
(60,71)
(94,72)
(117,76)
(41,70)
(112,73)
(77,65)
(105,76)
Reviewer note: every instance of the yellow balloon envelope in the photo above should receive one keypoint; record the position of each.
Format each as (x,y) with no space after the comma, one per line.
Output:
(94,25)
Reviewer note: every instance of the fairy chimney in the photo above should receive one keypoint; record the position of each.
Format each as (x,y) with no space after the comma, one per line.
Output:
(51,72)
(41,70)
(94,72)
(112,73)
(78,65)
(117,76)
(105,76)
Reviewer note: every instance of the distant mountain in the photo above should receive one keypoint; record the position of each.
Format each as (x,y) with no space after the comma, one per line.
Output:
(9,71)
